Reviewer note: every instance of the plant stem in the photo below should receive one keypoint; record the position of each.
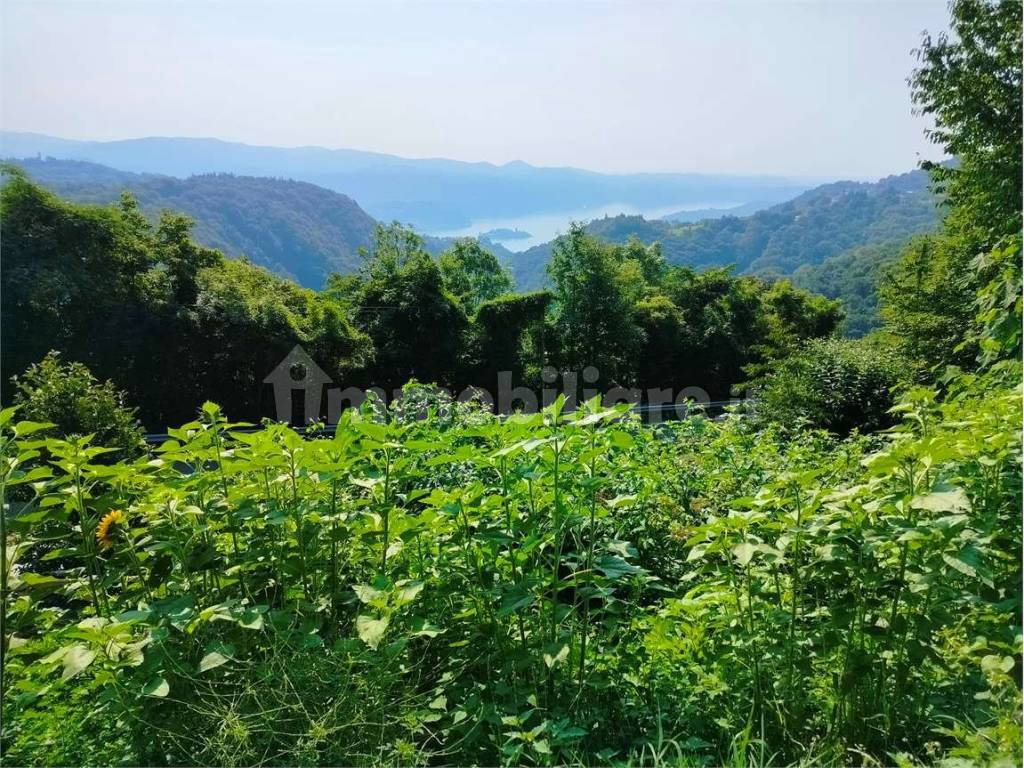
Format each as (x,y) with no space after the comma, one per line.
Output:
(588,568)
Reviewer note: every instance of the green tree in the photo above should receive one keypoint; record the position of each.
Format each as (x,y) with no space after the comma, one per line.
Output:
(969,83)
(418,329)
(508,334)
(666,356)
(594,317)
(181,256)
(834,384)
(170,322)
(393,248)
(927,302)
(244,322)
(724,322)
(77,279)
(68,396)
(473,274)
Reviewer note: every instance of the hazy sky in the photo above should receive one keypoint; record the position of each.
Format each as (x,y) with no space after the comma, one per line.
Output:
(797,88)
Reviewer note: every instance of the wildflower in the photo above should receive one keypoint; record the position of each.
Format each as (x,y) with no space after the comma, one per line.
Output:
(111,524)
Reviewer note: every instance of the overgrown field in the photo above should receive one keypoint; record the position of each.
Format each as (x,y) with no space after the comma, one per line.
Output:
(557,588)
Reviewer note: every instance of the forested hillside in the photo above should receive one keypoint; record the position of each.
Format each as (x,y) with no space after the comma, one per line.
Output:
(293,228)
(818,224)
(852,277)
(700,214)
(177,319)
(305,232)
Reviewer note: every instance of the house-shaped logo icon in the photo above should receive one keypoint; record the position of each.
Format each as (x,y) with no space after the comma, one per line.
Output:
(298,372)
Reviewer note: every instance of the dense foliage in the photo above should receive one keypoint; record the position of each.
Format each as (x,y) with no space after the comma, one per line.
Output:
(473,275)
(970,84)
(298,230)
(168,320)
(432,584)
(544,589)
(809,229)
(833,384)
(306,233)
(142,305)
(852,277)
(67,396)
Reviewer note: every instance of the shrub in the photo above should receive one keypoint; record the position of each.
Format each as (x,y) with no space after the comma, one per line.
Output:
(834,384)
(68,396)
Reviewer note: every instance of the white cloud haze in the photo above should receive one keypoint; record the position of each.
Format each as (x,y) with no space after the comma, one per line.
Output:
(751,87)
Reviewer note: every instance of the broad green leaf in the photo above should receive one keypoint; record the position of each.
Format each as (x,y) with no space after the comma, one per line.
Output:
(744,552)
(76,659)
(156,687)
(370,630)
(366,593)
(954,500)
(615,567)
(556,656)
(407,593)
(212,660)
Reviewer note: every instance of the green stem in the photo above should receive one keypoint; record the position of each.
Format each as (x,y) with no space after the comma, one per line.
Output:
(794,606)
(137,564)
(386,516)
(512,556)
(588,569)
(334,546)
(299,532)
(224,486)
(3,574)
(90,548)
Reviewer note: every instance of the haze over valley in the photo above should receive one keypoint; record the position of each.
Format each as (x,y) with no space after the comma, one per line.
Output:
(305,231)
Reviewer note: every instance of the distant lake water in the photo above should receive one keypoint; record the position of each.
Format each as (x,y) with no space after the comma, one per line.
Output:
(547,226)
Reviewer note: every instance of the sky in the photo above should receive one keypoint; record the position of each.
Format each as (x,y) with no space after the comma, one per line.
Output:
(790,88)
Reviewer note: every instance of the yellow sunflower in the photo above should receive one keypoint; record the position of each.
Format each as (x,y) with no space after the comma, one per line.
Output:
(111,524)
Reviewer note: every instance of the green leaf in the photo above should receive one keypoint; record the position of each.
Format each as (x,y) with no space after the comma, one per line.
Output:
(213,659)
(156,687)
(557,656)
(370,630)
(744,552)
(621,440)
(954,500)
(366,593)
(250,619)
(423,628)
(614,567)
(993,662)
(76,659)
(408,592)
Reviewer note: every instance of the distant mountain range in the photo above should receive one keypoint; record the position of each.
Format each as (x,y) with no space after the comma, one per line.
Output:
(432,195)
(806,230)
(701,214)
(833,239)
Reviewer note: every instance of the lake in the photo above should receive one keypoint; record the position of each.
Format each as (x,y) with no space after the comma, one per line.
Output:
(546,226)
